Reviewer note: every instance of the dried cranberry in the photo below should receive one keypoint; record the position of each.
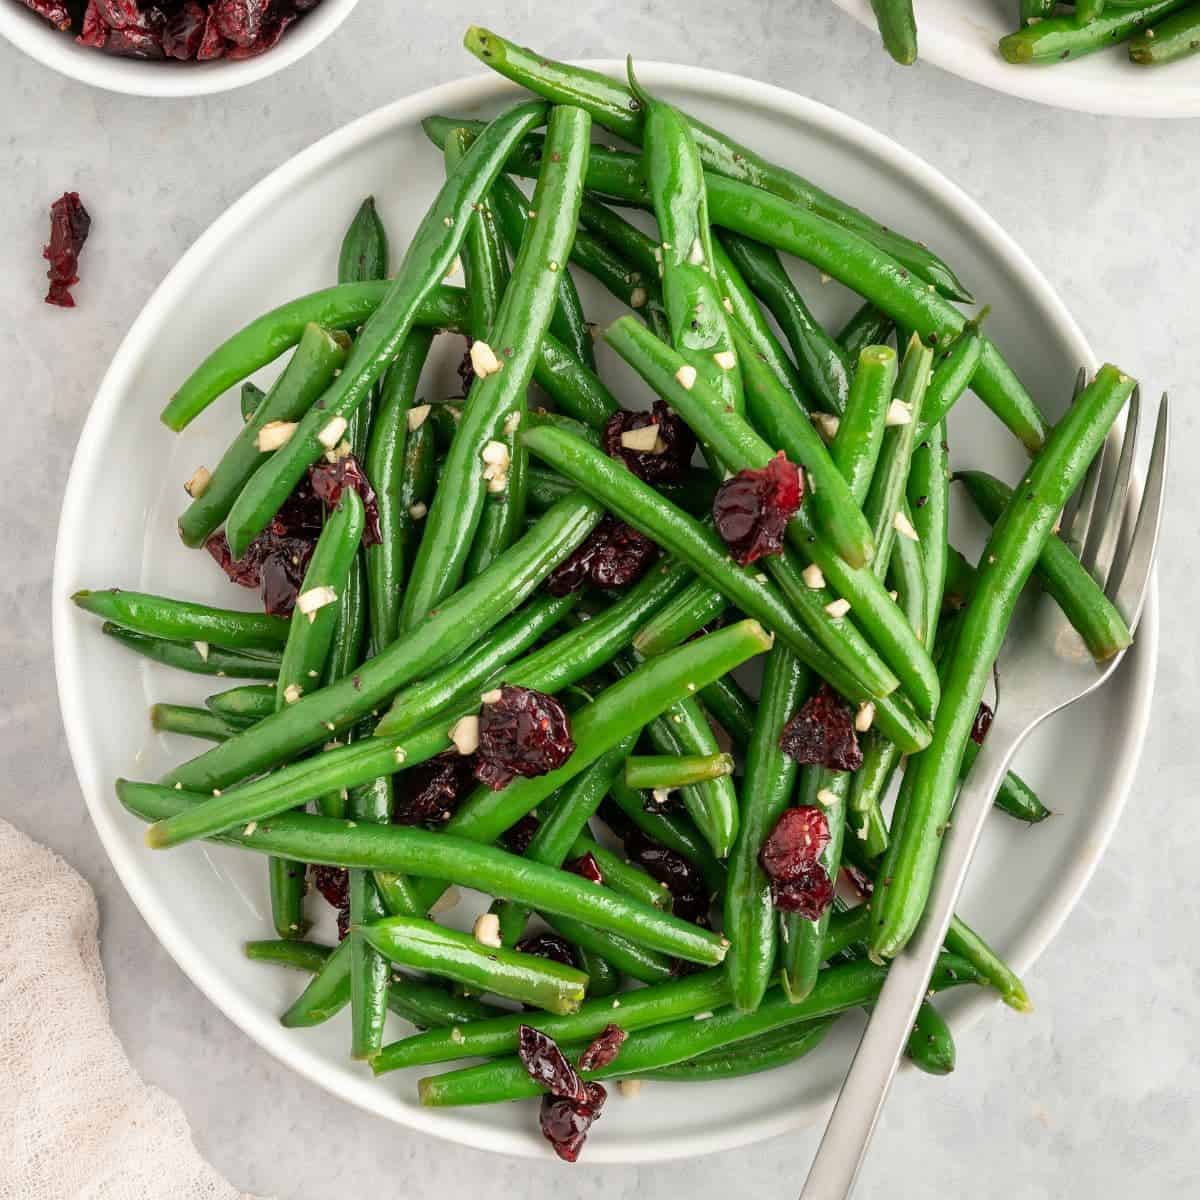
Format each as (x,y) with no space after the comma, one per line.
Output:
(240,21)
(334,884)
(983,722)
(668,461)
(330,479)
(121,14)
(613,555)
(94,32)
(587,866)
(517,838)
(432,791)
(57,14)
(659,801)
(184,31)
(547,945)
(212,44)
(466,368)
(796,842)
(69,227)
(683,881)
(525,733)
(132,42)
(547,1064)
(822,733)
(752,509)
(603,1048)
(565,1124)
(809,895)
(272,30)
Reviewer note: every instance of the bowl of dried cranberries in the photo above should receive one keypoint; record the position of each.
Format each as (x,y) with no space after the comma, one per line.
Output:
(169,47)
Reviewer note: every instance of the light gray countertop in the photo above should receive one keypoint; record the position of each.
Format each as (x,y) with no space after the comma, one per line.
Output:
(1093,1095)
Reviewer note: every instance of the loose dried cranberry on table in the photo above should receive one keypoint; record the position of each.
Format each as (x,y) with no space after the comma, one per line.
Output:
(603,1048)
(521,732)
(663,458)
(613,555)
(565,1123)
(685,883)
(752,509)
(789,857)
(334,884)
(547,1064)
(547,945)
(431,792)
(587,866)
(822,733)
(983,722)
(69,227)
(330,479)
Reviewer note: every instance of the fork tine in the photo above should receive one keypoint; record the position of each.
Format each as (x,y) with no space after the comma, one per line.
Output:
(1070,519)
(1102,537)
(1130,577)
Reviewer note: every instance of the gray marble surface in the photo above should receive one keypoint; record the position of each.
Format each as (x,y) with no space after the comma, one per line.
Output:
(1095,1094)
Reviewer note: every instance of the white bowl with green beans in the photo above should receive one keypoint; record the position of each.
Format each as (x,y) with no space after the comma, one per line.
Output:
(207,901)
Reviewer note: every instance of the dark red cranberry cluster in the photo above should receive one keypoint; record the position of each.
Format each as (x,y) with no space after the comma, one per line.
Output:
(334,884)
(69,228)
(666,461)
(790,856)
(430,793)
(822,733)
(570,1104)
(521,732)
(752,508)
(548,945)
(179,29)
(689,894)
(613,555)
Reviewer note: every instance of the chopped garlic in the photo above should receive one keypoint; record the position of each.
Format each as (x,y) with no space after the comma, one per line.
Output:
(487,930)
(638,298)
(457,1036)
(249,830)
(416,416)
(292,693)
(686,376)
(865,716)
(727,304)
(483,360)
(904,527)
(456,268)
(725,359)
(898,413)
(274,434)
(492,697)
(400,754)
(661,795)
(813,576)
(495,454)
(419,510)
(643,439)
(202,650)
(342,450)
(332,433)
(465,734)
(838,608)
(512,422)
(827,425)
(629,1088)
(696,256)
(827,798)
(198,484)
(314,599)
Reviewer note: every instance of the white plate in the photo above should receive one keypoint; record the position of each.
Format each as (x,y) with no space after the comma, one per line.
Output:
(36,37)
(960,36)
(118,528)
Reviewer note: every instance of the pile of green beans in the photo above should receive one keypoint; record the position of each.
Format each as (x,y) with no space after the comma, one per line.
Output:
(647,852)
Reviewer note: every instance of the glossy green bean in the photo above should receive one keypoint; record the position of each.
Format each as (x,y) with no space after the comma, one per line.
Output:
(928,495)
(183,621)
(603,978)
(683,615)
(622,875)
(186,656)
(193,722)
(649,771)
(1059,38)
(637,962)
(1013,549)
(1178,36)
(749,1057)
(897,28)
(953,371)
(242,706)
(867,326)
(859,438)
(250,398)
(725,700)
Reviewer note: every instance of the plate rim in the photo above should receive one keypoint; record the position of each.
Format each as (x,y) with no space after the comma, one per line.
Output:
(105,814)
(1041,84)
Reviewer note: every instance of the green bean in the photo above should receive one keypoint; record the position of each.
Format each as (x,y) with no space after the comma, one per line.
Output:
(823,366)
(442,856)
(963,941)
(319,356)
(683,615)
(748,1057)
(733,709)
(636,247)
(194,722)
(648,771)
(867,326)
(622,875)
(429,256)
(567,322)
(859,438)
(483,968)
(242,706)
(637,962)
(675,177)
(1062,575)
(524,312)
(557,832)
(612,106)
(457,682)
(1168,40)
(838,988)
(960,581)
(397,489)
(750,921)
(1013,549)
(1015,796)
(603,978)
(931,1044)
(740,447)
(928,494)
(312,631)
(1059,38)
(952,375)
(803,939)
(1033,11)
(182,621)
(576,390)
(897,28)
(349,623)
(250,398)
(867,788)
(369,972)
(460,621)
(675,832)
(186,656)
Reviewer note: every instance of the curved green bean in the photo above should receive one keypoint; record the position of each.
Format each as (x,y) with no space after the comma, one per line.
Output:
(186,656)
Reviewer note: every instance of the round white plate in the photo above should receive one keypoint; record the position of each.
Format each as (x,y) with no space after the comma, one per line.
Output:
(960,36)
(118,528)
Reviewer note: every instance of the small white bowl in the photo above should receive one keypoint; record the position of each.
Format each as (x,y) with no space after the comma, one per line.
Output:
(136,77)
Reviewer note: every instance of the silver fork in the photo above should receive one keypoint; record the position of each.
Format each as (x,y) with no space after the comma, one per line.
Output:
(1044,666)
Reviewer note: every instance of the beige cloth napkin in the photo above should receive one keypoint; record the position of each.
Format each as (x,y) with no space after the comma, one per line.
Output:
(76,1120)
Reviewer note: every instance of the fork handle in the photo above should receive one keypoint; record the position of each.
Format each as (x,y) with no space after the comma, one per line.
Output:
(848,1134)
